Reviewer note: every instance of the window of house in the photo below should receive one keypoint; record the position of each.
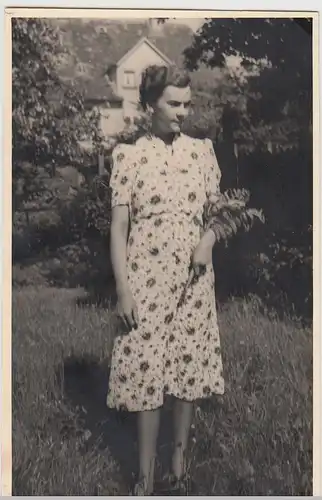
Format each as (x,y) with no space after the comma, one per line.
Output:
(81,68)
(63,59)
(103,30)
(129,79)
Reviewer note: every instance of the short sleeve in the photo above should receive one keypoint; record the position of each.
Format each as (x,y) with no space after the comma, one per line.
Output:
(212,172)
(121,179)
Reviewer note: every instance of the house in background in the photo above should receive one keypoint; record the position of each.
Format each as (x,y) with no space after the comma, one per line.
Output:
(125,75)
(117,93)
(104,60)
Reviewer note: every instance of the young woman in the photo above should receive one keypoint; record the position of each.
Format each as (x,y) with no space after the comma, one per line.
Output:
(160,186)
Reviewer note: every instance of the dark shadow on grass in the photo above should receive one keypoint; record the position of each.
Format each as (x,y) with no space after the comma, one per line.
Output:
(85,386)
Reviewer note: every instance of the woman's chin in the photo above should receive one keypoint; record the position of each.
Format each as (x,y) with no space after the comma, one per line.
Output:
(176,128)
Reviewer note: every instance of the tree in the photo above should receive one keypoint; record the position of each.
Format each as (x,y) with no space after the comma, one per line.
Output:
(48,116)
(212,91)
(279,92)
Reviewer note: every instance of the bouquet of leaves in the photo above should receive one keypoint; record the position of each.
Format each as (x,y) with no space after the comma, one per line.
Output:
(228,213)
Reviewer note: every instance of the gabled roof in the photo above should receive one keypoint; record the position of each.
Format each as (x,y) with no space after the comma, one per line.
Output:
(99,90)
(137,45)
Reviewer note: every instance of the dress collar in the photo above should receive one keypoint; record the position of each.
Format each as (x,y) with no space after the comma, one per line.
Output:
(155,139)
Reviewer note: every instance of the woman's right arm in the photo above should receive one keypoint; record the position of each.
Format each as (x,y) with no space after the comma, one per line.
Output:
(118,248)
(119,233)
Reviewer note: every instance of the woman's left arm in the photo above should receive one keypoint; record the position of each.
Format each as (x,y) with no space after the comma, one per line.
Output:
(203,253)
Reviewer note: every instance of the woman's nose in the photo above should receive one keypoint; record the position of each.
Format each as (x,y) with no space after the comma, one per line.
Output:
(182,112)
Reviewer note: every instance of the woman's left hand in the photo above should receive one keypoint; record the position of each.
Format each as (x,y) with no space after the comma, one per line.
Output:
(202,255)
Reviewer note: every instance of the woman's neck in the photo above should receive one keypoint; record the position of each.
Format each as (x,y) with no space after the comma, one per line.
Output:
(166,137)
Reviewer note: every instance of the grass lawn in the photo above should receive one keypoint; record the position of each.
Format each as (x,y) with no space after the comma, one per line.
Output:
(254,440)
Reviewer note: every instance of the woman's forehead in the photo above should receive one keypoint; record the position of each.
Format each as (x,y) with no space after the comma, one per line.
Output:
(180,94)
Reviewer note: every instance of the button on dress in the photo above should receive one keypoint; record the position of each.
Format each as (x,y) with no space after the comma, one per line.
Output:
(175,350)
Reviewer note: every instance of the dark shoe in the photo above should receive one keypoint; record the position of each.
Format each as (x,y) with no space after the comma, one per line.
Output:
(179,486)
(140,488)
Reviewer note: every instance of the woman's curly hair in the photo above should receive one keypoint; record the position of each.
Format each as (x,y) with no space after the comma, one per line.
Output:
(155,78)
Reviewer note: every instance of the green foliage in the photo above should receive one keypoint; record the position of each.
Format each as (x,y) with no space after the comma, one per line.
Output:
(278,56)
(254,39)
(48,116)
(212,91)
(229,213)
(88,214)
(283,270)
(27,184)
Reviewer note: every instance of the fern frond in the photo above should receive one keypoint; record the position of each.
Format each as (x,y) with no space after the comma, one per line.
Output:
(229,213)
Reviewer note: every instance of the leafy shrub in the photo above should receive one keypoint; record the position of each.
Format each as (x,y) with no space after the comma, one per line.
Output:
(284,273)
(87,215)
(48,114)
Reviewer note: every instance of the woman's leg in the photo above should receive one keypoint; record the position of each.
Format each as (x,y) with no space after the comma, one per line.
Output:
(148,427)
(182,422)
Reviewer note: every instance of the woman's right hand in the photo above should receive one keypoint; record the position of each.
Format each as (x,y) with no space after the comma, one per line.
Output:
(127,309)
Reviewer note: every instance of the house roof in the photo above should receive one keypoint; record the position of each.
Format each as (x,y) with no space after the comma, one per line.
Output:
(98,91)
(137,45)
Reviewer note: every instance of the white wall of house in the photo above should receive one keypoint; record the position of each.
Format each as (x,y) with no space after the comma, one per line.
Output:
(112,121)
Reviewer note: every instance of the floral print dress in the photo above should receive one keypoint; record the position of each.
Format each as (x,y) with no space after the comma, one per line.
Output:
(175,350)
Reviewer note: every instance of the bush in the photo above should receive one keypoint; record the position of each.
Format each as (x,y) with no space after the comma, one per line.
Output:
(48,114)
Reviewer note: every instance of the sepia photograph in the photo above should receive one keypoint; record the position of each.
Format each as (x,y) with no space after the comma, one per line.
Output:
(162,254)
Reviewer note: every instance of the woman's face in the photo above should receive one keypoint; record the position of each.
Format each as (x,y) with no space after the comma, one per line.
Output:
(171,109)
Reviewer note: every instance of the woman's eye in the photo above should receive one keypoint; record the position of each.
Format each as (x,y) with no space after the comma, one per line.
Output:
(176,104)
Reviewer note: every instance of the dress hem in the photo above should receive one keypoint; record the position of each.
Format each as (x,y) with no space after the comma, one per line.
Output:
(168,393)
